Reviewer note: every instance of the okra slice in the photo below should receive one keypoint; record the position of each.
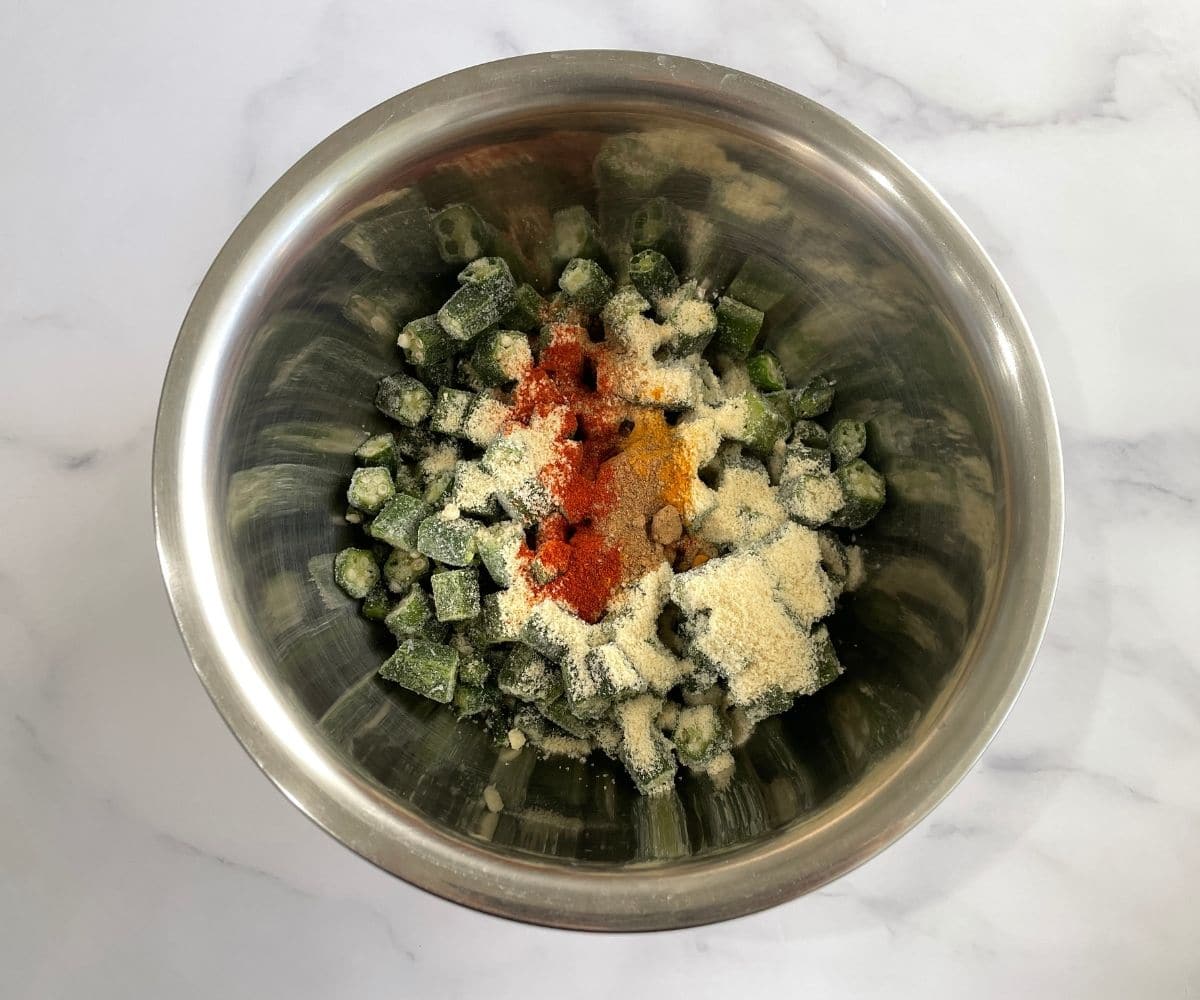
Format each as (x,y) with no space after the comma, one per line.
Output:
(501,356)
(847,440)
(814,399)
(377,604)
(829,667)
(811,499)
(474,307)
(428,668)
(460,233)
(586,284)
(455,594)
(652,275)
(528,677)
(701,734)
(738,327)
(412,615)
(864,492)
(810,433)
(378,449)
(763,425)
(398,520)
(471,699)
(370,488)
(613,672)
(449,410)
(424,342)
(766,373)
(497,545)
(525,313)
(356,572)
(575,235)
(559,712)
(473,668)
(645,751)
(474,491)
(403,398)
(402,569)
(449,540)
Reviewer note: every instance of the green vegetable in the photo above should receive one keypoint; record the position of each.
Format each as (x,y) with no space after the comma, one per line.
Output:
(356,572)
(378,449)
(766,373)
(738,327)
(474,307)
(864,492)
(701,735)
(525,313)
(501,356)
(370,488)
(847,440)
(376,604)
(428,668)
(471,700)
(497,545)
(397,521)
(455,594)
(585,282)
(652,275)
(450,410)
(814,399)
(403,398)
(448,540)
(412,615)
(402,569)
(425,343)
(528,677)
(763,425)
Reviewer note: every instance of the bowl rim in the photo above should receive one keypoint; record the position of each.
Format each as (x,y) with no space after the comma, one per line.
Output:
(789,863)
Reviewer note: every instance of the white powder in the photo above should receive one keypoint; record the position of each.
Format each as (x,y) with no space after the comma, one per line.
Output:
(473,486)
(751,610)
(746,509)
(492,799)
(516,739)
(633,627)
(440,460)
(720,769)
(513,356)
(485,420)
(450,512)
(817,499)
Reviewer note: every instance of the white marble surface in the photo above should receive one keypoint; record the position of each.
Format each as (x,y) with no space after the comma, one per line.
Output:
(141,853)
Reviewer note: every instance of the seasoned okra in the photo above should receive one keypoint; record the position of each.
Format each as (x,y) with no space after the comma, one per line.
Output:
(428,668)
(403,398)
(652,275)
(356,572)
(370,488)
(585,282)
(847,440)
(738,327)
(455,594)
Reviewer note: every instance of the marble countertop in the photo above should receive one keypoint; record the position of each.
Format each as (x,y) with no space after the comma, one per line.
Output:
(154,860)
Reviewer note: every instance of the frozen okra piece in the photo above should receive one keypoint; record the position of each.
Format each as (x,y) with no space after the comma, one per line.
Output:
(411,615)
(356,572)
(498,545)
(494,625)
(485,420)
(811,499)
(528,677)
(455,594)
(428,668)
(701,735)
(370,488)
(652,275)
(461,235)
(575,235)
(613,672)
(402,569)
(810,433)
(474,491)
(864,492)
(829,667)
(398,520)
(586,284)
(525,313)
(501,356)
(556,633)
(766,373)
(471,699)
(403,398)
(812,400)
(378,449)
(774,701)
(658,225)
(450,410)
(425,343)
(738,327)
(476,305)
(847,440)
(559,712)
(473,668)
(645,751)
(763,425)
(449,540)
(377,603)
(692,324)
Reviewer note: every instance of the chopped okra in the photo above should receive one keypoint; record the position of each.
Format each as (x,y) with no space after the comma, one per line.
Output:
(579,492)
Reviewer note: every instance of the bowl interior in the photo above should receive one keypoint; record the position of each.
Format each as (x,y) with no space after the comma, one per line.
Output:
(861,290)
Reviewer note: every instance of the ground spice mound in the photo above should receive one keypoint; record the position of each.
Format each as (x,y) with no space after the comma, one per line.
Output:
(616,464)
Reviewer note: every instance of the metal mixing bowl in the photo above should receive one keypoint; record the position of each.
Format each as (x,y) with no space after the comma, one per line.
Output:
(269,390)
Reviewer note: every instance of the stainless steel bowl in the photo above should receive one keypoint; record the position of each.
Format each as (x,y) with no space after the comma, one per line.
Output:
(269,389)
